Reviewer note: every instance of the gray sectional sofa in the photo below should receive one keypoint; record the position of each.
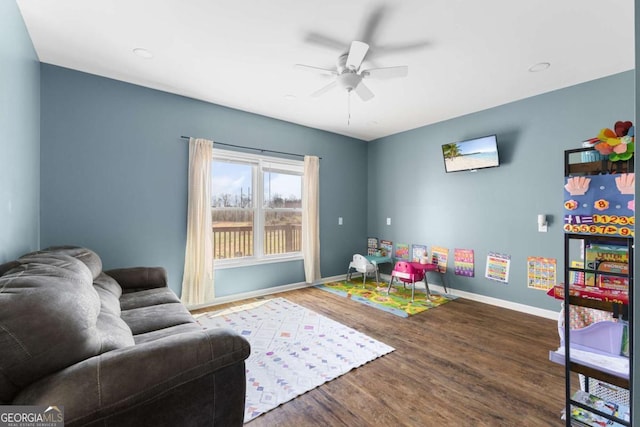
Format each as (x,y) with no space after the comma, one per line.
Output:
(114,348)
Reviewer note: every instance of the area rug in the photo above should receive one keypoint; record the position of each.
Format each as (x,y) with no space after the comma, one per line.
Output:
(398,301)
(293,350)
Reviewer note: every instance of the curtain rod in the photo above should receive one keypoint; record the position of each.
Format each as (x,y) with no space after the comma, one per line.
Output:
(262,150)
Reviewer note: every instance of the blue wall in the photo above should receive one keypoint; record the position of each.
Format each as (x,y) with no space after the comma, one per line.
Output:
(492,209)
(114,176)
(19,136)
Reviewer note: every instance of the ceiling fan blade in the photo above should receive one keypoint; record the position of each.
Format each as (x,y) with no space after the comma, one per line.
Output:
(363,92)
(373,22)
(318,70)
(325,41)
(395,48)
(356,54)
(324,89)
(386,72)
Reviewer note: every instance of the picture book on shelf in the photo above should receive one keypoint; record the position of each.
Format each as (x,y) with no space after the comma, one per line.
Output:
(386,248)
(576,277)
(596,254)
(607,258)
(417,252)
(402,251)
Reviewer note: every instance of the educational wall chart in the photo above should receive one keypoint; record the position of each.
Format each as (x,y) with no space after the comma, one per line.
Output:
(541,273)
(463,262)
(417,252)
(372,245)
(402,251)
(600,204)
(498,267)
(440,256)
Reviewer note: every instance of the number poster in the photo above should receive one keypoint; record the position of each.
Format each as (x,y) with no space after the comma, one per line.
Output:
(498,267)
(439,256)
(541,273)
(600,204)
(463,262)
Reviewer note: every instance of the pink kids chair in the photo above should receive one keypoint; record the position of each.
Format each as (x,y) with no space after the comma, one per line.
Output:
(406,273)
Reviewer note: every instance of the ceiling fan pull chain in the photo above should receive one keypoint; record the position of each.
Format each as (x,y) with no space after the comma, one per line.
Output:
(348,108)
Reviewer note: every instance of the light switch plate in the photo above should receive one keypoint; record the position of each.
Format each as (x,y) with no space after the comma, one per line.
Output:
(339,220)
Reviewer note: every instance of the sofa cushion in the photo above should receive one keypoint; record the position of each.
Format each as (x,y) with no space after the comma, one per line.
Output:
(114,331)
(154,317)
(165,332)
(109,292)
(146,298)
(48,314)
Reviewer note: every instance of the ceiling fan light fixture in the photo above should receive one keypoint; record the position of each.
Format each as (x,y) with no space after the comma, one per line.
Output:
(349,80)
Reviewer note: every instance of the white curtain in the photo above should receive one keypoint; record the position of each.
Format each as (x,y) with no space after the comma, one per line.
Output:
(197,282)
(311,219)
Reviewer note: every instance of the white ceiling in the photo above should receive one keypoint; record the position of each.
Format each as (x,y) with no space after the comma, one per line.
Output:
(467,55)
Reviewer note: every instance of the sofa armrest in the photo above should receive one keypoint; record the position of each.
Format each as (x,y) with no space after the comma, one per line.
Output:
(139,277)
(135,383)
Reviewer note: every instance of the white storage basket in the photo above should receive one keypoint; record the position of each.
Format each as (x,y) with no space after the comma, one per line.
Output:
(606,391)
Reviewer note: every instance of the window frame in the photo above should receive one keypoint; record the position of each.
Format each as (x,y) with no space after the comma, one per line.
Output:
(259,164)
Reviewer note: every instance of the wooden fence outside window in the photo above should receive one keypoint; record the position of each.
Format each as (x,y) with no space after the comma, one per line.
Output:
(237,241)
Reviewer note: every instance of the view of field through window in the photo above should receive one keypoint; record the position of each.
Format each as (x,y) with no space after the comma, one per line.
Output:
(236,210)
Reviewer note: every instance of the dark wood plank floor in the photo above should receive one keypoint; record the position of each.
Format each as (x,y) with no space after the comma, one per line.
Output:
(462,364)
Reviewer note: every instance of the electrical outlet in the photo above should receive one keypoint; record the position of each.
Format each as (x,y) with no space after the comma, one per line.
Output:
(339,220)
(388,221)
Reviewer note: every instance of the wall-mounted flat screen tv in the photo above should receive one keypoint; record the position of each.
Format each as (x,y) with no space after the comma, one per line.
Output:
(471,154)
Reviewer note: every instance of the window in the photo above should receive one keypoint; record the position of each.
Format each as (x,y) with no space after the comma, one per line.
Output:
(256,208)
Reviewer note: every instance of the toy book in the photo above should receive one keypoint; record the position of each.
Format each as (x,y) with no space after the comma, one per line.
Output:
(607,258)
(576,277)
(596,254)
(386,248)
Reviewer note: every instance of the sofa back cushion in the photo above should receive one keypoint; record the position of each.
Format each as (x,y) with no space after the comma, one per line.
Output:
(87,256)
(48,315)
(114,332)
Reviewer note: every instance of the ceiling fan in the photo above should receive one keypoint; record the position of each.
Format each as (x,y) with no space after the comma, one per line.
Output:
(349,75)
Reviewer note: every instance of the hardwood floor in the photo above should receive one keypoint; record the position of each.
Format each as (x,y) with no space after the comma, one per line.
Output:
(462,364)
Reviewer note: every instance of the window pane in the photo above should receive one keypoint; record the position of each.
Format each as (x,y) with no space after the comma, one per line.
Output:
(232,233)
(282,232)
(231,185)
(282,190)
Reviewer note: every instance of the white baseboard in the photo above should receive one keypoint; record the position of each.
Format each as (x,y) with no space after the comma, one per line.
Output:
(264,292)
(523,308)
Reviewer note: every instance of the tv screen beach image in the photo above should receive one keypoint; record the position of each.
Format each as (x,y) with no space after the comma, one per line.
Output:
(472,154)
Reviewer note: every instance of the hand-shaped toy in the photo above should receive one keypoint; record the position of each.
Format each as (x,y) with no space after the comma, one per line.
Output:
(626,183)
(578,185)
